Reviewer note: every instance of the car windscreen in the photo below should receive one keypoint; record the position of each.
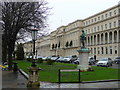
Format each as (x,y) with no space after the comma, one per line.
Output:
(103,59)
(118,58)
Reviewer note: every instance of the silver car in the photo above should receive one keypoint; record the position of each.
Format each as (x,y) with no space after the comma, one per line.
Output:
(104,62)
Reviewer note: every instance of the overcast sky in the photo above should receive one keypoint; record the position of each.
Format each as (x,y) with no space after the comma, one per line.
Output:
(66,11)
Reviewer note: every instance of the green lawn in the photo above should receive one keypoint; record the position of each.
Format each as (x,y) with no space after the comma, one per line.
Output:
(49,73)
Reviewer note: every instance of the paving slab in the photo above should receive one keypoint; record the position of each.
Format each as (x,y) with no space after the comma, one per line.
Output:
(13,80)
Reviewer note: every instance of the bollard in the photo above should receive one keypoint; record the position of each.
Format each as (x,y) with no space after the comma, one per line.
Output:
(15,67)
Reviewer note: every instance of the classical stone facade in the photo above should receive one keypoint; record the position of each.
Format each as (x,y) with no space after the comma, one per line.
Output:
(103,33)
(28,48)
(102,36)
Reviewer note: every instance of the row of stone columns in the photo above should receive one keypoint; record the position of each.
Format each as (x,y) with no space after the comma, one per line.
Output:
(103,38)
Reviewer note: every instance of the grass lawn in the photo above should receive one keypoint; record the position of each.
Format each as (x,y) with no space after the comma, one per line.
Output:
(49,73)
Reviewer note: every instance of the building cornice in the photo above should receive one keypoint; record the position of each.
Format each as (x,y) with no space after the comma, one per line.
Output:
(101,12)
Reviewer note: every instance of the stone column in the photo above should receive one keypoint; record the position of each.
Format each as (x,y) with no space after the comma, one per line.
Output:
(83,56)
(108,37)
(96,39)
(87,41)
(100,39)
(117,36)
(112,37)
(93,41)
(103,38)
(90,40)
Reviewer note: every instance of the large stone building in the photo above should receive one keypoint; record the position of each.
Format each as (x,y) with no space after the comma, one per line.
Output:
(102,36)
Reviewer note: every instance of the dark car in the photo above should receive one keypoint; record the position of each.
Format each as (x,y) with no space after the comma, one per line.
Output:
(77,61)
(117,60)
(91,61)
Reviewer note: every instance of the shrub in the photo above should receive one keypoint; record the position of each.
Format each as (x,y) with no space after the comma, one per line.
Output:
(40,60)
(19,52)
(49,61)
(29,59)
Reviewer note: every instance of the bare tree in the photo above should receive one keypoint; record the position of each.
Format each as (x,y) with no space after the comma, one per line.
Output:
(18,17)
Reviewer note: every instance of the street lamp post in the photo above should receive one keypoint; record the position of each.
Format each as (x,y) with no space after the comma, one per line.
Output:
(33,81)
(34,37)
(36,53)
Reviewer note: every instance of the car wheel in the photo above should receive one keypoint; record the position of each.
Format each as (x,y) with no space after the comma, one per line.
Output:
(111,64)
(107,65)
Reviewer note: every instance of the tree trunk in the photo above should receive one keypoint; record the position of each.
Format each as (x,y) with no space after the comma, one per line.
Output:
(4,50)
(10,61)
(10,52)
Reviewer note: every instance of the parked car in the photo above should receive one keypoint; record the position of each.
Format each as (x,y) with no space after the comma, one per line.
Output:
(77,61)
(60,59)
(39,57)
(54,58)
(44,58)
(73,58)
(70,59)
(67,59)
(91,61)
(117,60)
(104,62)
(49,57)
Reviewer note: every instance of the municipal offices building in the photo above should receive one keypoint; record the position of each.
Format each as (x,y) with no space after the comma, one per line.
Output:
(102,36)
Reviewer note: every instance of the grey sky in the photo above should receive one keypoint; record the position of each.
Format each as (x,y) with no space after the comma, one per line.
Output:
(67,11)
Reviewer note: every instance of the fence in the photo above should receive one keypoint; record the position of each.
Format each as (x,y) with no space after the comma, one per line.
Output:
(76,70)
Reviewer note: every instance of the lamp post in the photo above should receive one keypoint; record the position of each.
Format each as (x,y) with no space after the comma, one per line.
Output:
(34,37)
(33,81)
(36,53)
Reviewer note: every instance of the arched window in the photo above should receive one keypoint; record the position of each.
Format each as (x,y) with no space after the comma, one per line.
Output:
(59,45)
(71,43)
(98,39)
(102,39)
(110,37)
(106,37)
(67,44)
(119,35)
(91,40)
(56,46)
(52,46)
(115,36)
(95,39)
(102,51)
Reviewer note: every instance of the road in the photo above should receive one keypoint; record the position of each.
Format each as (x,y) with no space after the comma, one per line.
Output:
(117,66)
(114,65)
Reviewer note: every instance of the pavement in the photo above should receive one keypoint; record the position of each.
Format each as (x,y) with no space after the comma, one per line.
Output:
(13,80)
